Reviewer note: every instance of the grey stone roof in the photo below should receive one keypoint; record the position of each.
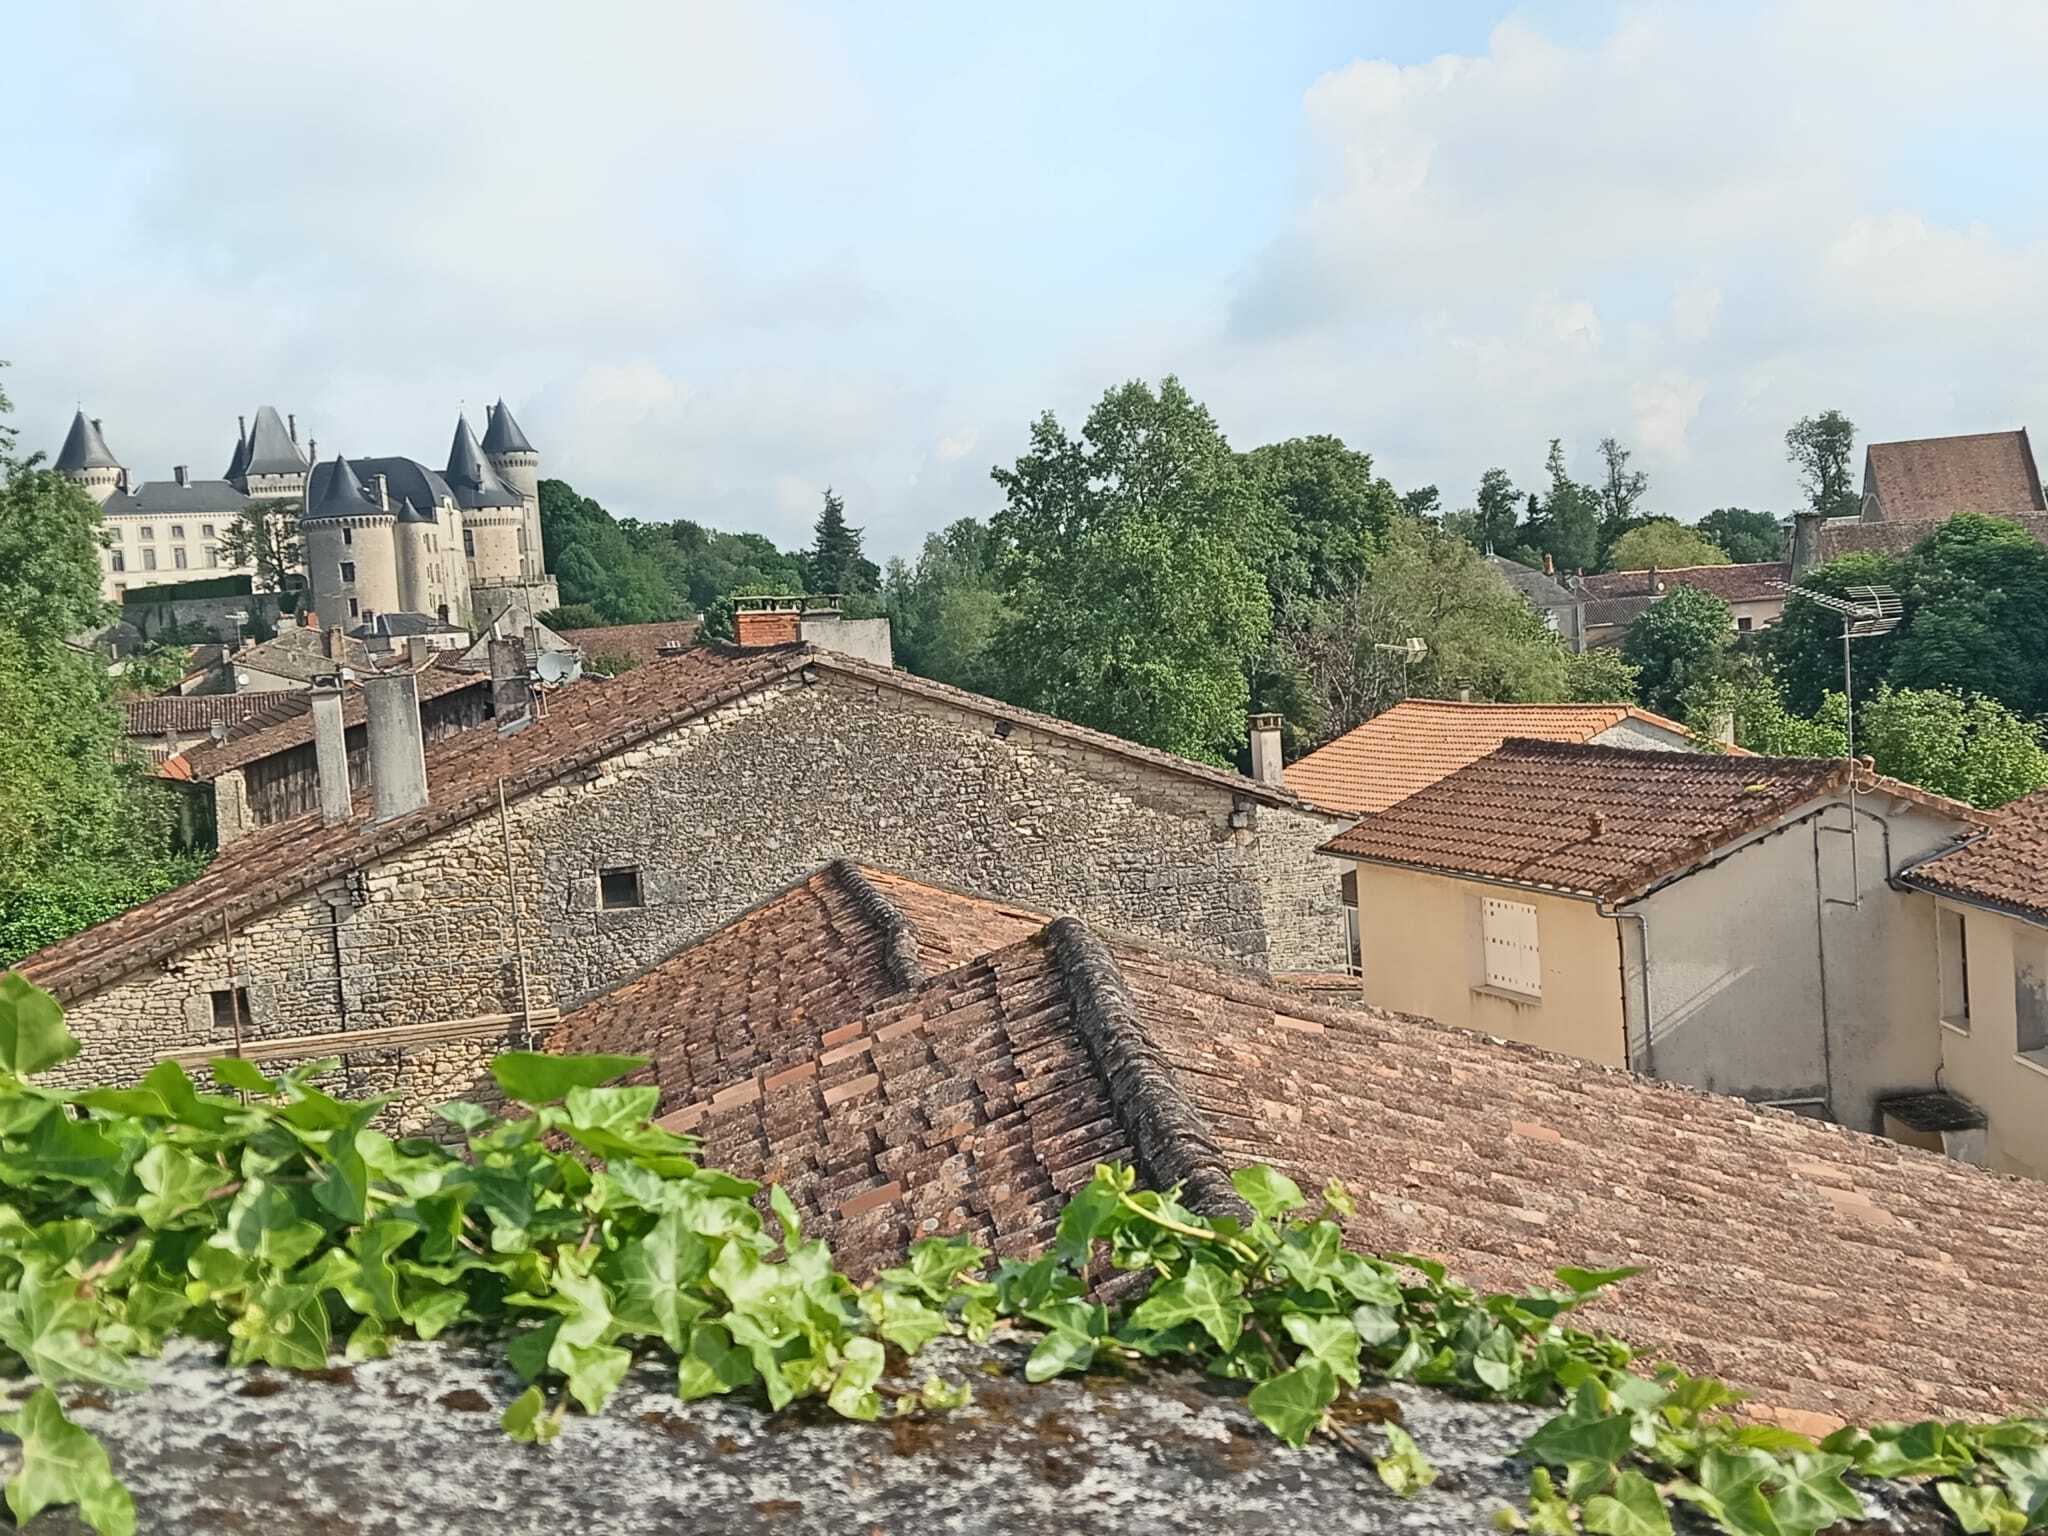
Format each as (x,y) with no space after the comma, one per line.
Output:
(470,475)
(502,434)
(1542,590)
(271,449)
(405,480)
(409,512)
(339,494)
(402,624)
(167,498)
(85,448)
(238,462)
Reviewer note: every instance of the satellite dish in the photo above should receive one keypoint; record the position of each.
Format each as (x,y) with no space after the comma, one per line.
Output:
(558,666)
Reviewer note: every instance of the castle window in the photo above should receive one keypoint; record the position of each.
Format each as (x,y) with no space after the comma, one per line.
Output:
(348,535)
(146,531)
(206,530)
(149,559)
(178,557)
(618,888)
(120,561)
(348,570)
(469,543)
(230,1008)
(177,530)
(355,609)
(212,558)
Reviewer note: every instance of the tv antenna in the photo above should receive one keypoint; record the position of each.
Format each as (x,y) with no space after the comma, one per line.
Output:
(1411,650)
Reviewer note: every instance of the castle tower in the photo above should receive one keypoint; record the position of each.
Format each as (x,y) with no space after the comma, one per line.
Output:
(518,465)
(351,549)
(86,458)
(270,460)
(493,514)
(420,587)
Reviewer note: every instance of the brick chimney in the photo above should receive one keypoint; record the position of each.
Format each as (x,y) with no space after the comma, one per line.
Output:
(398,753)
(330,752)
(1265,734)
(511,693)
(758,622)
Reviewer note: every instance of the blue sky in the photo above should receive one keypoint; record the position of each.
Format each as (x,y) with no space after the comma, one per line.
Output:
(718,259)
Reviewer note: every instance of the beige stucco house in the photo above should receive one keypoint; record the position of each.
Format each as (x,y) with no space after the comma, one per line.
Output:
(1989,915)
(1701,918)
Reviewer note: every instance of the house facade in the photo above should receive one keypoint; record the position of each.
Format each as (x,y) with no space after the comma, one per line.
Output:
(1703,919)
(1755,595)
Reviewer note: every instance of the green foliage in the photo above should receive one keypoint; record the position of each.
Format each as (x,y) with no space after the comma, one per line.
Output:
(266,534)
(1746,537)
(1132,568)
(573,616)
(49,554)
(278,1220)
(1619,493)
(1820,448)
(1494,512)
(1804,648)
(1567,527)
(1977,598)
(185,591)
(1600,676)
(836,562)
(1967,747)
(612,663)
(944,610)
(153,669)
(1665,544)
(1680,642)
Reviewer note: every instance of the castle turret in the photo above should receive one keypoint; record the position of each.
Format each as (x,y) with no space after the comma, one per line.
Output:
(420,585)
(351,548)
(518,465)
(86,458)
(271,461)
(494,514)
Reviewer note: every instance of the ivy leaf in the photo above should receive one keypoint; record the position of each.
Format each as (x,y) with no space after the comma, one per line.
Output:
(712,1364)
(1272,1194)
(936,1264)
(284,1326)
(1977,1510)
(176,1182)
(1292,1403)
(1061,1350)
(1577,1436)
(1404,1469)
(1497,1361)
(610,1109)
(1331,1340)
(652,1273)
(1549,1514)
(2025,1468)
(1634,1508)
(527,1418)
(1584,1282)
(785,1212)
(1810,1495)
(63,1464)
(594,1370)
(1205,1295)
(903,1320)
(853,1394)
(232,1072)
(534,1078)
(466,1116)
(32,1033)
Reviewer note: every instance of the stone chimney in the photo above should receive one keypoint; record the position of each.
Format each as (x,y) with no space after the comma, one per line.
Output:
(383,494)
(419,651)
(511,693)
(1805,542)
(1549,565)
(1724,727)
(330,752)
(330,644)
(182,474)
(291,425)
(398,752)
(1265,733)
(758,622)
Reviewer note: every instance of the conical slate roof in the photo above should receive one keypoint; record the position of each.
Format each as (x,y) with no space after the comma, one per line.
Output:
(408,513)
(337,493)
(271,449)
(470,475)
(238,465)
(502,434)
(84,448)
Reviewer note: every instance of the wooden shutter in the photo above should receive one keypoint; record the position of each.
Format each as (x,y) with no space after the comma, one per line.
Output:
(1513,962)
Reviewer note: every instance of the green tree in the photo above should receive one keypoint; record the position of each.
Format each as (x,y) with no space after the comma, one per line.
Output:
(1494,512)
(1664,543)
(1423,503)
(49,552)
(1429,585)
(1746,537)
(836,562)
(1680,643)
(1620,492)
(1805,647)
(1977,600)
(1568,529)
(1600,676)
(572,616)
(1819,448)
(944,609)
(265,534)
(1967,747)
(1132,567)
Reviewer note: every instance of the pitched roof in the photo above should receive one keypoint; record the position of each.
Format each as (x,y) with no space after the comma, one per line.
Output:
(978,1101)
(2005,869)
(584,724)
(1757,583)
(470,475)
(271,449)
(405,480)
(1605,822)
(1897,536)
(1935,477)
(287,721)
(643,642)
(340,495)
(238,461)
(184,713)
(1540,587)
(299,654)
(84,448)
(166,498)
(1420,741)
(501,432)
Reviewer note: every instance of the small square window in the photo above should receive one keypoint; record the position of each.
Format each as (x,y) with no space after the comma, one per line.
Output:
(348,535)
(1745,623)
(146,532)
(177,530)
(618,888)
(206,530)
(348,570)
(230,1009)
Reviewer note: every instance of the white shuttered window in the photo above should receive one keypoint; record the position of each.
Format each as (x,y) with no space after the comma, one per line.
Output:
(1513,962)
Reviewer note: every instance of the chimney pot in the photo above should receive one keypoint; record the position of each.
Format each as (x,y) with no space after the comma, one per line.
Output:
(96,424)
(1549,565)
(330,754)
(1266,761)
(332,646)
(1464,695)
(383,494)
(758,622)
(398,753)
(292,425)
(182,474)
(242,428)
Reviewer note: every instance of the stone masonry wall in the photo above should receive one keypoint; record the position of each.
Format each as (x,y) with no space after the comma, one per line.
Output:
(716,816)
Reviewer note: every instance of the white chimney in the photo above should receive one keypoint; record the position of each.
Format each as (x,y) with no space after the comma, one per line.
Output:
(1265,730)
(330,754)
(398,753)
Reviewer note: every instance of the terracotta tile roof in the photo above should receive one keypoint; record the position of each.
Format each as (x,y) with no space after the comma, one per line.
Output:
(1420,741)
(1894,536)
(1608,822)
(1730,583)
(643,642)
(770,988)
(2006,868)
(287,722)
(1936,477)
(1828,1271)
(188,713)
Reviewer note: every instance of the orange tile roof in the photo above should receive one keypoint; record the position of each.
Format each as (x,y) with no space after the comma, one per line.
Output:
(1927,477)
(2005,869)
(1420,741)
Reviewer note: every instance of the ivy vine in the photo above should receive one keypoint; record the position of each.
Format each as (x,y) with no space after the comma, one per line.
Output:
(279,1221)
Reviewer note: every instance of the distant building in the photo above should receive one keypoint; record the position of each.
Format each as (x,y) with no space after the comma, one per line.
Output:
(1755,595)
(1563,610)
(1911,488)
